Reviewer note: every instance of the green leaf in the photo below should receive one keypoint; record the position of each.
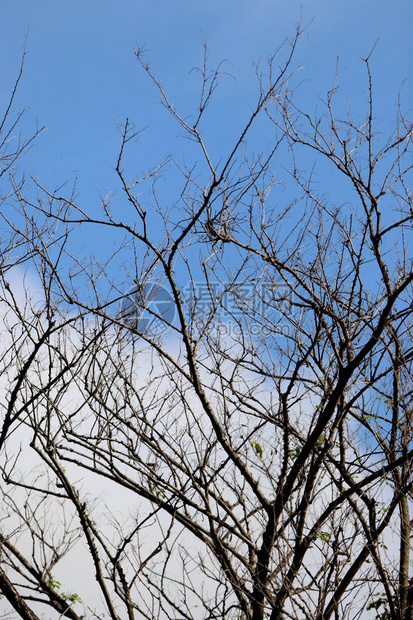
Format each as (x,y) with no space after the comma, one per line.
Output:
(53,583)
(257,448)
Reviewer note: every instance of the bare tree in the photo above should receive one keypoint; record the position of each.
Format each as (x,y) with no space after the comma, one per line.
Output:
(237,375)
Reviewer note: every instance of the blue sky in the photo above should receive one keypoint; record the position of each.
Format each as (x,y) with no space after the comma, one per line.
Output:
(81,76)
(81,73)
